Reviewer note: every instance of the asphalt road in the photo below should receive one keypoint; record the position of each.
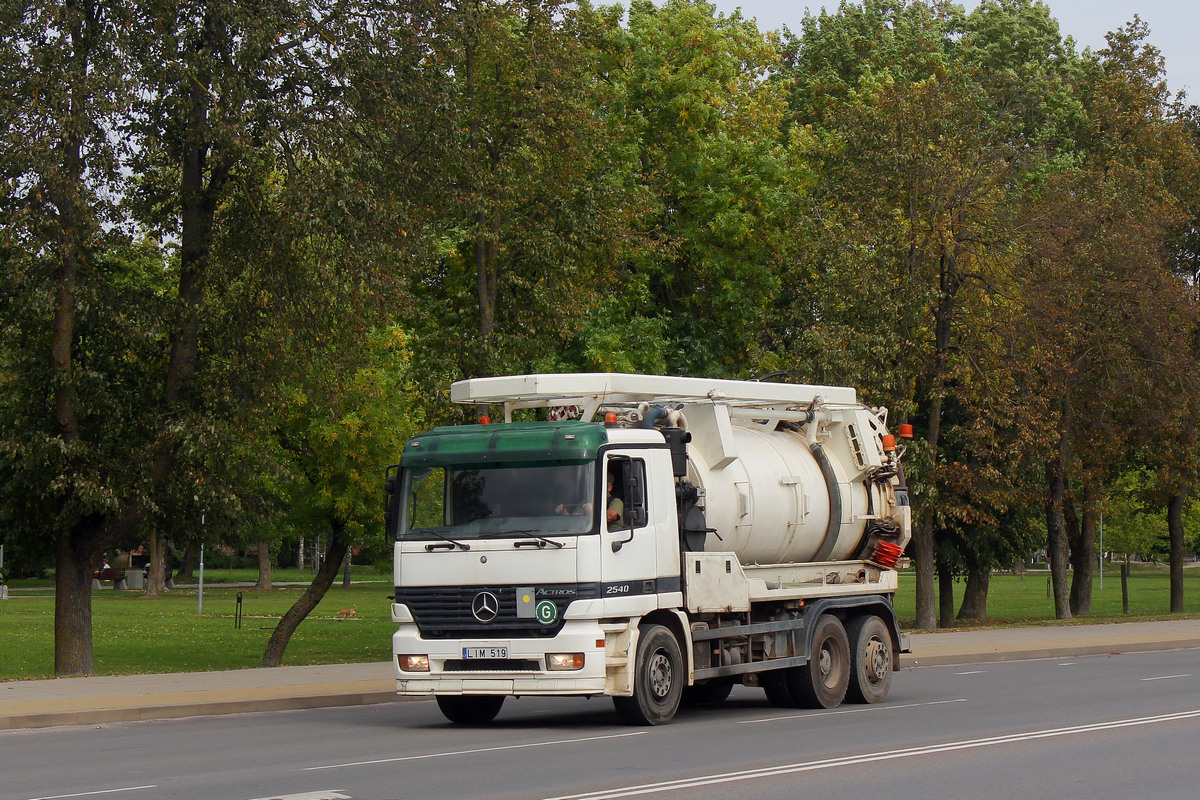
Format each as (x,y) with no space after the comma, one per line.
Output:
(1120,726)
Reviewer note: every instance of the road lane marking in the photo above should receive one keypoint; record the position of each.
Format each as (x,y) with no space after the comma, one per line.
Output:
(848,711)
(972,672)
(473,752)
(324,794)
(1166,677)
(869,758)
(98,792)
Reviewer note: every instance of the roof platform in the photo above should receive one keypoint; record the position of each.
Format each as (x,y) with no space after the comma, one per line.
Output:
(596,389)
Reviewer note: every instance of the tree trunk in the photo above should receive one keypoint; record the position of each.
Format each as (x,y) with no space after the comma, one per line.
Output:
(156,581)
(187,563)
(273,657)
(73,600)
(922,545)
(923,540)
(485,280)
(264,566)
(1083,556)
(945,596)
(1176,533)
(974,604)
(346,568)
(1056,535)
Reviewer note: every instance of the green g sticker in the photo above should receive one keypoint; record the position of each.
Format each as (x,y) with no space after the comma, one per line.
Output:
(547,612)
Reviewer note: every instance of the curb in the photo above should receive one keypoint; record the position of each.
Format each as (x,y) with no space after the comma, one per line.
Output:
(934,659)
(197,709)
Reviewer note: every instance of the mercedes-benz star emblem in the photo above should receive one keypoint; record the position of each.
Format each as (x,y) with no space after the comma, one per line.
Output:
(485,606)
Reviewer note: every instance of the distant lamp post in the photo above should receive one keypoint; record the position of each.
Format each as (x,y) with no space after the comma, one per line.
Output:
(200,595)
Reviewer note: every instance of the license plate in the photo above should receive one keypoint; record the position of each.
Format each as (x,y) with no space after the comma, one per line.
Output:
(485,652)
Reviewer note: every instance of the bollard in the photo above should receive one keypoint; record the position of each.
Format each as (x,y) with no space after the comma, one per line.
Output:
(237,615)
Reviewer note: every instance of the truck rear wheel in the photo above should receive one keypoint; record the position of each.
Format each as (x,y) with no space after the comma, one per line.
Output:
(658,680)
(870,660)
(470,709)
(823,681)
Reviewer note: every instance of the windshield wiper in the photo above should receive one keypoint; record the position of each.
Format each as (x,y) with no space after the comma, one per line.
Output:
(538,541)
(450,544)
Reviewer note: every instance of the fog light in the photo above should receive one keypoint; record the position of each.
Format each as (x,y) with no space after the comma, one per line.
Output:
(562,661)
(413,663)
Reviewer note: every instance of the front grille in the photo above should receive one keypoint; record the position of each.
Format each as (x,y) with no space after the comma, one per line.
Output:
(442,612)
(493,665)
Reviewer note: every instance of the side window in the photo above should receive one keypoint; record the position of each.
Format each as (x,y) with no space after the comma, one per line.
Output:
(426,501)
(626,503)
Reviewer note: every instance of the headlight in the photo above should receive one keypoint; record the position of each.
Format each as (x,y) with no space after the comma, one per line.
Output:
(413,663)
(564,661)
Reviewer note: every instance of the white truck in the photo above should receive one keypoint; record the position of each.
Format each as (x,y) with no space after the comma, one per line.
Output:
(652,539)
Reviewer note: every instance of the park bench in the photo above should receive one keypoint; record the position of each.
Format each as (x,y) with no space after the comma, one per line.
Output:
(114,574)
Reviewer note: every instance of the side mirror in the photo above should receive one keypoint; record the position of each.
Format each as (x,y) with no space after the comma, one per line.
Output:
(636,515)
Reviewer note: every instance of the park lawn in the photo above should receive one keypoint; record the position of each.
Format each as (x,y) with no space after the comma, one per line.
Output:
(1024,599)
(135,634)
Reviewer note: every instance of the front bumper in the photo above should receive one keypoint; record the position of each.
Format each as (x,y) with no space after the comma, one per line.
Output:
(598,645)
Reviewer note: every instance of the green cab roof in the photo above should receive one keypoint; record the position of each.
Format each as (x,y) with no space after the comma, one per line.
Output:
(508,443)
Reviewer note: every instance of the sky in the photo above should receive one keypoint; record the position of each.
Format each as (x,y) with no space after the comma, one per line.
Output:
(1174,25)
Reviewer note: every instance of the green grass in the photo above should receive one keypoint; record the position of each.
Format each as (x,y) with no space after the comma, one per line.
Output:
(135,634)
(1024,600)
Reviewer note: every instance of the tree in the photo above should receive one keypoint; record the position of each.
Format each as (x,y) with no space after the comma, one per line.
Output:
(345,422)
(721,183)
(66,90)
(1108,315)
(524,208)
(928,126)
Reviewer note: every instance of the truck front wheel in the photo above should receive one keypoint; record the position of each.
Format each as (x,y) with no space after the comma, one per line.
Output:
(823,681)
(870,660)
(657,681)
(470,709)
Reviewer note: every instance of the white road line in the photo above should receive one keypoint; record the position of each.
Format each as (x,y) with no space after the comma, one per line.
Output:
(472,752)
(972,672)
(99,792)
(1066,664)
(868,758)
(847,711)
(324,794)
(1166,677)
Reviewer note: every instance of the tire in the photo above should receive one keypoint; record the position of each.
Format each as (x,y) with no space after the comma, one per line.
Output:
(470,709)
(658,679)
(775,684)
(870,660)
(707,694)
(823,681)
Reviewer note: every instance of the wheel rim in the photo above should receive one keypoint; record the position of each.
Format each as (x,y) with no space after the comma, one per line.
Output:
(831,667)
(661,675)
(878,661)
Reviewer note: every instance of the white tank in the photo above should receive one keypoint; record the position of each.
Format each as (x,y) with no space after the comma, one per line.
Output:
(772,503)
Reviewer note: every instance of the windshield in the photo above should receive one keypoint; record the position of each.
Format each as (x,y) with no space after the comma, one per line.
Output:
(493,501)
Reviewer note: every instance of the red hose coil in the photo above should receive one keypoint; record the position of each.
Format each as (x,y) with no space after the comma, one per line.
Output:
(887,554)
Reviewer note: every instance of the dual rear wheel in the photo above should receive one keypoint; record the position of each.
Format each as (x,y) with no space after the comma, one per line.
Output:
(845,664)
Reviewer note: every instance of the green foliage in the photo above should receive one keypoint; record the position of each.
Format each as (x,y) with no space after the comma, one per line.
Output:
(244,249)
